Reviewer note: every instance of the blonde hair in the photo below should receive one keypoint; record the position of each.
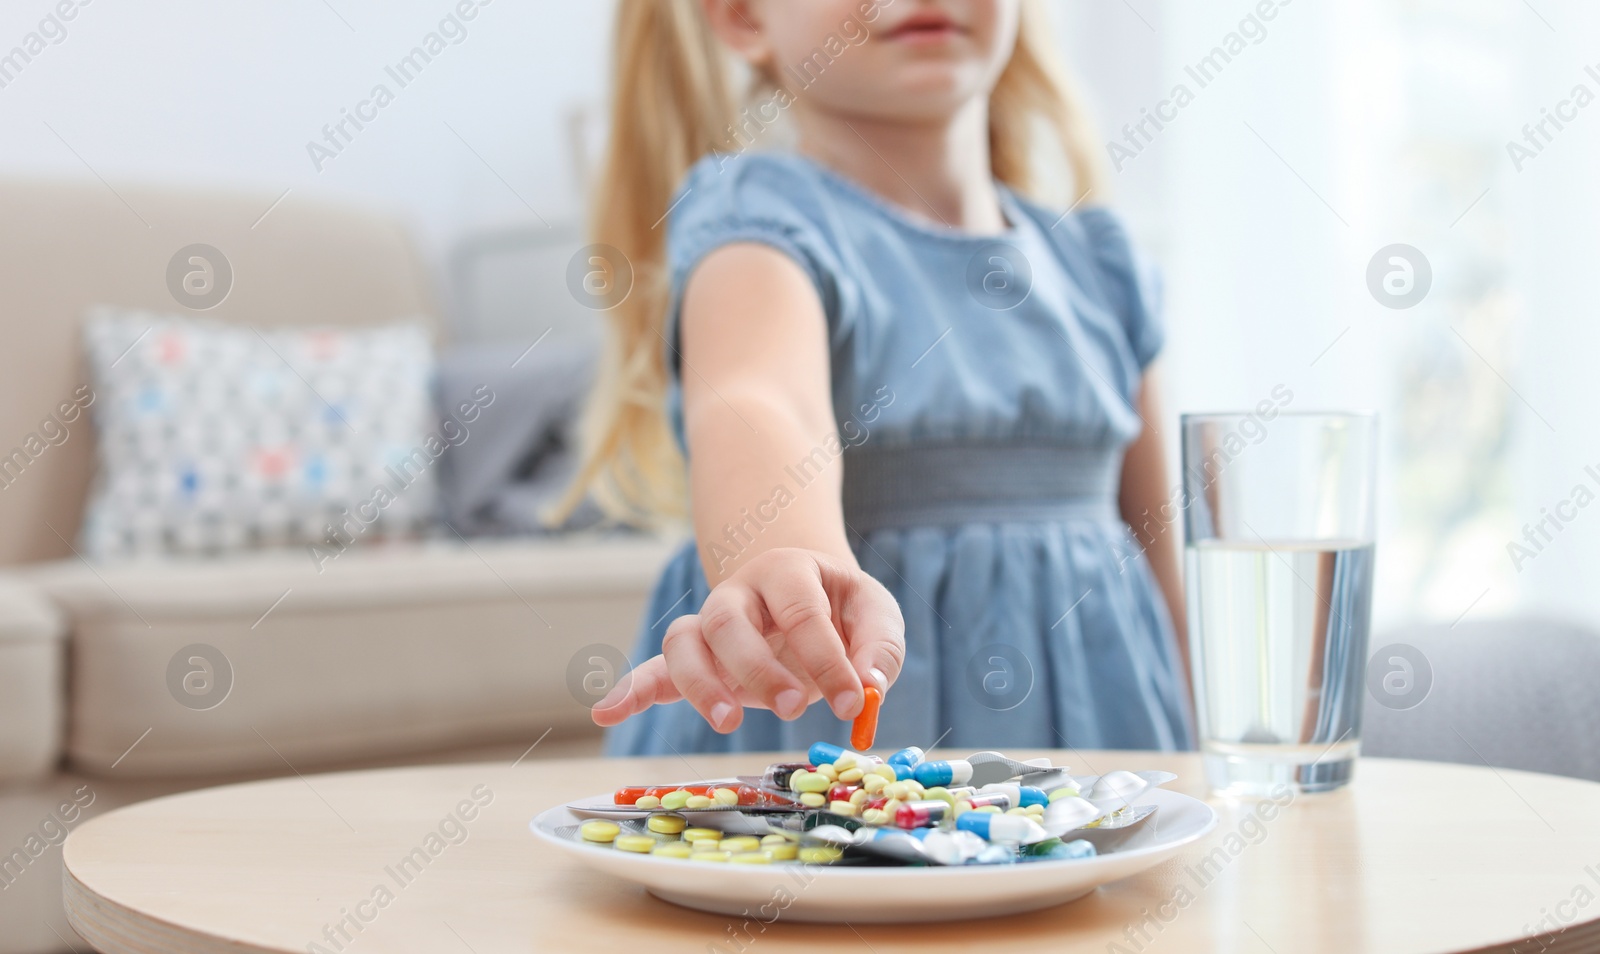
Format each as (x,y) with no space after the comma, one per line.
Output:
(672,103)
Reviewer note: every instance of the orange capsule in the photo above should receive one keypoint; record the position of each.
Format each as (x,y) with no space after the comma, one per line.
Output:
(865,729)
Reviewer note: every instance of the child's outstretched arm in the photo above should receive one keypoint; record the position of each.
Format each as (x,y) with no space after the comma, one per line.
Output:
(791,617)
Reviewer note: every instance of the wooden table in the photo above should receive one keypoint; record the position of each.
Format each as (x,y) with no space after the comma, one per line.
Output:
(1413,857)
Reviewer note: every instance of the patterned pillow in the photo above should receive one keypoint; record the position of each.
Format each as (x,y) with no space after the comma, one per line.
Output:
(215,438)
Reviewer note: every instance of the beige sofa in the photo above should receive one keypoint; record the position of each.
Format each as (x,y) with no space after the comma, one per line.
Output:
(438,651)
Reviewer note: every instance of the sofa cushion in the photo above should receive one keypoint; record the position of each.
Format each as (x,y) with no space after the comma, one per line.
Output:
(295,262)
(214,438)
(260,661)
(31,682)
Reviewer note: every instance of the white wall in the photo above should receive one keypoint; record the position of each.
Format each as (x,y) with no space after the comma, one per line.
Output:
(229,93)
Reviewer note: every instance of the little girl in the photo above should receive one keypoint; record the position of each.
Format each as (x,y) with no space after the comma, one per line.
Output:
(916,406)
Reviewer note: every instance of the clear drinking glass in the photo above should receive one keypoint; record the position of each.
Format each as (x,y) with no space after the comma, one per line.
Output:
(1279,515)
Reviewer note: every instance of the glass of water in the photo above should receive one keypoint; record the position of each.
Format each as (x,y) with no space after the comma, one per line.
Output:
(1279,513)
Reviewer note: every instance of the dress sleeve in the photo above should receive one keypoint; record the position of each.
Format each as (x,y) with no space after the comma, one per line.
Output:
(725,200)
(1131,281)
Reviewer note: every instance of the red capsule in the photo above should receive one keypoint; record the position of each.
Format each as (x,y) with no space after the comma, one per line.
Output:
(1000,800)
(920,814)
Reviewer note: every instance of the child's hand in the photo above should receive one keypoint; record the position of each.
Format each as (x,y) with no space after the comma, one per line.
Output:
(788,628)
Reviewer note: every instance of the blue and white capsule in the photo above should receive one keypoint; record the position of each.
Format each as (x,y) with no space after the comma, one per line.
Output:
(1021,795)
(909,757)
(953,772)
(822,753)
(1006,828)
(1033,796)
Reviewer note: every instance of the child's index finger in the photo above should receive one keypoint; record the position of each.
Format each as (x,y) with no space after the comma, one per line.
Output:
(864,730)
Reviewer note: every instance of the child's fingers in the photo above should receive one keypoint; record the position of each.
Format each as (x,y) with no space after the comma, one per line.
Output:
(694,673)
(875,631)
(799,607)
(646,685)
(730,624)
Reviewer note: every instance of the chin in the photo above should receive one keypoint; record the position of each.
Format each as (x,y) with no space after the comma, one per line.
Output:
(910,110)
(923,94)
(919,90)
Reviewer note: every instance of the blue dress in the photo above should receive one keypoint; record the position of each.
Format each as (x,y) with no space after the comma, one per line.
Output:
(983,388)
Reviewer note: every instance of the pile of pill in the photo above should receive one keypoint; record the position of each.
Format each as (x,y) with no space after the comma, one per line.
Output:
(904,809)
(930,799)
(671,837)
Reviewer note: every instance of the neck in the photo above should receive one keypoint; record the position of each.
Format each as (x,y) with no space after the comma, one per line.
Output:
(935,171)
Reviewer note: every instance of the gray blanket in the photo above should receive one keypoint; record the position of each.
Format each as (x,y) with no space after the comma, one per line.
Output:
(515,460)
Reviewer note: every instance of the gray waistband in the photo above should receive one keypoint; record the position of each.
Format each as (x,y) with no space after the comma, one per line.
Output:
(977,483)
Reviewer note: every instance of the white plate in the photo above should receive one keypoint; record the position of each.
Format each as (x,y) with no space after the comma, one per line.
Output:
(887,894)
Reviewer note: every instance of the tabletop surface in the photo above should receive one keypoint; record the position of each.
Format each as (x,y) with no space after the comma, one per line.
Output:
(1413,857)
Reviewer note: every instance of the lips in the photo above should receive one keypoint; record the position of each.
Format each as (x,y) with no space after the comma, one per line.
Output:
(926,25)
